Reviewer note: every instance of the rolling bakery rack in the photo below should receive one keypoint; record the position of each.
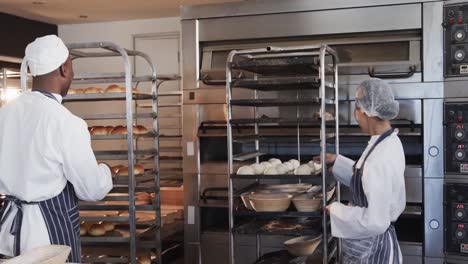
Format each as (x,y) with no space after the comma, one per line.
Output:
(299,78)
(139,237)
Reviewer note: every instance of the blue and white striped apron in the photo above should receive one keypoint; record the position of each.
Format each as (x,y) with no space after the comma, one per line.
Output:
(379,249)
(60,213)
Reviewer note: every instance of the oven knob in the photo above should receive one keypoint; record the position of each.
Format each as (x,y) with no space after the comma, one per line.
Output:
(459,154)
(460,233)
(460,214)
(459,55)
(451,13)
(459,134)
(459,35)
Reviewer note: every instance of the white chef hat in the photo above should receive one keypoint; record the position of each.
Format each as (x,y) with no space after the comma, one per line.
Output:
(45,54)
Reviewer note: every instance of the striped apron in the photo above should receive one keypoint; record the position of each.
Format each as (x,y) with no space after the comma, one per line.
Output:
(379,249)
(60,213)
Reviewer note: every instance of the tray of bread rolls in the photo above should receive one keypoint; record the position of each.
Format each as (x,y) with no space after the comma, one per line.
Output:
(123,154)
(112,92)
(118,132)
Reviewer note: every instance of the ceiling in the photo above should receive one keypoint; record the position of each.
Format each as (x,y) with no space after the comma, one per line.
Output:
(69,11)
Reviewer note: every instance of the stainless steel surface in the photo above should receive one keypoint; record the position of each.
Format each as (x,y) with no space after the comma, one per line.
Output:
(433,138)
(433,211)
(433,42)
(260,7)
(324,22)
(190,47)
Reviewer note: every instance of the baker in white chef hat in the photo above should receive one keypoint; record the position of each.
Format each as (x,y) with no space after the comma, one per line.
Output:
(47,162)
(49,63)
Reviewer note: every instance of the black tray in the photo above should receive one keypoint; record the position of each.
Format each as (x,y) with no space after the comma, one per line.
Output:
(281,83)
(283,66)
(278,102)
(308,226)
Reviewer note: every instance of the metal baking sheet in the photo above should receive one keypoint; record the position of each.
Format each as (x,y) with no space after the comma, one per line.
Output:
(116,116)
(311,226)
(278,102)
(279,138)
(247,156)
(276,120)
(111,137)
(281,83)
(252,213)
(283,66)
(104,97)
(88,206)
(123,154)
(109,79)
(315,179)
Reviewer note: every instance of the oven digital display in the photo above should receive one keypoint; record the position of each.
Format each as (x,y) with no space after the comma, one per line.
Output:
(464,248)
(464,167)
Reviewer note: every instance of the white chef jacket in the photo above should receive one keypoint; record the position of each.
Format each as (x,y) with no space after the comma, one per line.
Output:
(42,146)
(384,185)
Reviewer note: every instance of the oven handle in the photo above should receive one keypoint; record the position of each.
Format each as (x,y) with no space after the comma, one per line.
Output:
(412,70)
(204,197)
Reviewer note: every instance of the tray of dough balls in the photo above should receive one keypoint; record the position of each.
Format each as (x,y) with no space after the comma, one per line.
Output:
(112,92)
(118,132)
(276,169)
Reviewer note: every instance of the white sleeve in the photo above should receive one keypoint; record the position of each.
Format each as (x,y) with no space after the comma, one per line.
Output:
(91,181)
(358,222)
(343,169)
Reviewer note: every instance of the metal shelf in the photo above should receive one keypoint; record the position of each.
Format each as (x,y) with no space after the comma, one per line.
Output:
(278,138)
(104,97)
(285,65)
(280,84)
(123,154)
(251,213)
(116,116)
(116,137)
(275,120)
(317,179)
(110,207)
(118,77)
(311,227)
(247,156)
(278,102)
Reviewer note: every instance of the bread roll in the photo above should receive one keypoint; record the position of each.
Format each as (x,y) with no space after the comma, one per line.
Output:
(317,167)
(115,89)
(266,164)
(119,130)
(71,91)
(144,260)
(274,161)
(83,230)
(295,163)
(116,169)
(99,130)
(304,169)
(92,90)
(289,165)
(328,116)
(109,129)
(96,230)
(282,169)
(108,226)
(143,197)
(271,171)
(135,91)
(137,169)
(140,129)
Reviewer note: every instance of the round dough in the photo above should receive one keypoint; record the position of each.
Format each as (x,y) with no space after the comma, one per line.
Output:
(275,161)
(289,165)
(258,168)
(271,171)
(282,169)
(246,170)
(304,169)
(317,167)
(97,230)
(295,163)
(99,130)
(266,164)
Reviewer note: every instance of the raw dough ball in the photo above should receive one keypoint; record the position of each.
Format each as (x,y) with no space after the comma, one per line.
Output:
(282,169)
(246,170)
(317,167)
(266,164)
(289,165)
(258,168)
(274,161)
(304,169)
(295,163)
(271,171)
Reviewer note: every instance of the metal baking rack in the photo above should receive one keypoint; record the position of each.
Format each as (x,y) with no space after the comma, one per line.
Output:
(131,243)
(301,69)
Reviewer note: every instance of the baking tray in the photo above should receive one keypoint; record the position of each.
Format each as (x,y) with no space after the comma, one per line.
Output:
(252,213)
(280,83)
(274,120)
(279,138)
(283,66)
(278,102)
(149,175)
(247,155)
(104,97)
(314,179)
(114,137)
(311,227)
(116,116)
(123,154)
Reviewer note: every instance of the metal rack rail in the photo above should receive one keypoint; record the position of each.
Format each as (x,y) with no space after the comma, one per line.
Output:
(299,69)
(140,236)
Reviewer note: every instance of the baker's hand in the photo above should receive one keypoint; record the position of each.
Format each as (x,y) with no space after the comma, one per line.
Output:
(327,209)
(329,159)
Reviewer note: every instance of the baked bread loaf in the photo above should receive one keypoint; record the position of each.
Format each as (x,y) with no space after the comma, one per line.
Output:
(328,116)
(83,230)
(99,130)
(92,90)
(137,169)
(109,129)
(116,169)
(144,260)
(139,129)
(115,89)
(96,230)
(143,196)
(119,130)
(108,226)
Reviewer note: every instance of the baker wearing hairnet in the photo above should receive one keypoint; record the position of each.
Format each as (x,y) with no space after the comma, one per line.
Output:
(46,159)
(376,181)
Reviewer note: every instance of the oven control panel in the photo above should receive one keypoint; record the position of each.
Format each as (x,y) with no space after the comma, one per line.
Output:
(456,218)
(456,39)
(456,137)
